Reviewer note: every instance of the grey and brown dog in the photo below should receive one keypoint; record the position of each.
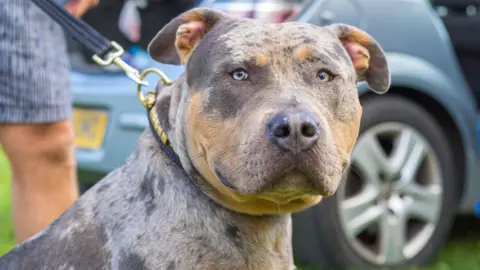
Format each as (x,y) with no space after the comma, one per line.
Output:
(263,120)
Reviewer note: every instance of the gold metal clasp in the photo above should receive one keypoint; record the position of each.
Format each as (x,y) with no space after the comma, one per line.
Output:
(149,100)
(114,58)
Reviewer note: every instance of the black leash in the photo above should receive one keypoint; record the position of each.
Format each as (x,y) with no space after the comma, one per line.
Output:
(80,31)
(106,52)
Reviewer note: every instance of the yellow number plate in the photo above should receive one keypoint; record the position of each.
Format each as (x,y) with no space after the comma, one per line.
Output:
(90,126)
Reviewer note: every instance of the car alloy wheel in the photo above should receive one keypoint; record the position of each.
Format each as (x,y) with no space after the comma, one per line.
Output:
(390,204)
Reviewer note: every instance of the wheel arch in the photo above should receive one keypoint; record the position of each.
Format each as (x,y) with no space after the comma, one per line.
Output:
(448,101)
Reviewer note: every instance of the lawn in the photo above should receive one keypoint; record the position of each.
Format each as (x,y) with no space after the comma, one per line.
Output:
(461,253)
(6,232)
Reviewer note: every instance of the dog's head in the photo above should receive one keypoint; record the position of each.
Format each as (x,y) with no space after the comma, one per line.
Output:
(268,114)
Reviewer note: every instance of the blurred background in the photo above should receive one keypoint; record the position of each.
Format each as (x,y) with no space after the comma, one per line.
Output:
(417,153)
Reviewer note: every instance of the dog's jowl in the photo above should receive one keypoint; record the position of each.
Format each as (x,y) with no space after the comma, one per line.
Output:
(263,122)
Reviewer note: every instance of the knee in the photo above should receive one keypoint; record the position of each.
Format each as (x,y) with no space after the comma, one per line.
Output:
(58,151)
(56,145)
(45,143)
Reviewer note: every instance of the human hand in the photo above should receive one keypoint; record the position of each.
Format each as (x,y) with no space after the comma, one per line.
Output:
(78,7)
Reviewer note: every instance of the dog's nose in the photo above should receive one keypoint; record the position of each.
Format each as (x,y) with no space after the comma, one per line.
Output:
(295,131)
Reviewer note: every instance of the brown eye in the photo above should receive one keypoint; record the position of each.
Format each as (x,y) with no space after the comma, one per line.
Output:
(324,76)
(240,75)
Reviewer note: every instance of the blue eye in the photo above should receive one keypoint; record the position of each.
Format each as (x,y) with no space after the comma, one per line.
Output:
(240,75)
(325,76)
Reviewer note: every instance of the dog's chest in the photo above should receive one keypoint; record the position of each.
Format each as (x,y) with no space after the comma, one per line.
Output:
(178,227)
(202,242)
(220,252)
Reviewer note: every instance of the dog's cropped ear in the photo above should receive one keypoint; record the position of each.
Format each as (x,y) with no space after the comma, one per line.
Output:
(367,56)
(174,43)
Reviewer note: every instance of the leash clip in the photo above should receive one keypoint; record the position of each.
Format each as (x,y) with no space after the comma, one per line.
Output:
(114,58)
(148,100)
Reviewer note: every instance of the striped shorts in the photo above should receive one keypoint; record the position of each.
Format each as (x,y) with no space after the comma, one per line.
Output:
(34,66)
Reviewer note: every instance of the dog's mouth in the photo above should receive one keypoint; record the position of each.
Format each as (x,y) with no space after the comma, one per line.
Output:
(276,175)
(284,199)
(224,180)
(290,186)
(267,190)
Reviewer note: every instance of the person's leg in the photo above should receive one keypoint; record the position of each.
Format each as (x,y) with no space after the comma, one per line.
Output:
(35,111)
(43,173)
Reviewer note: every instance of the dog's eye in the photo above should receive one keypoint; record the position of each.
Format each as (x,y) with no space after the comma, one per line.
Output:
(325,76)
(240,75)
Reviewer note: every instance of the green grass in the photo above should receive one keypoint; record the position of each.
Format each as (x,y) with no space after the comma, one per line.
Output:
(462,252)
(6,231)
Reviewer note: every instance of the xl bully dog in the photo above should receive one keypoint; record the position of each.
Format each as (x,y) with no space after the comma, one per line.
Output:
(261,124)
